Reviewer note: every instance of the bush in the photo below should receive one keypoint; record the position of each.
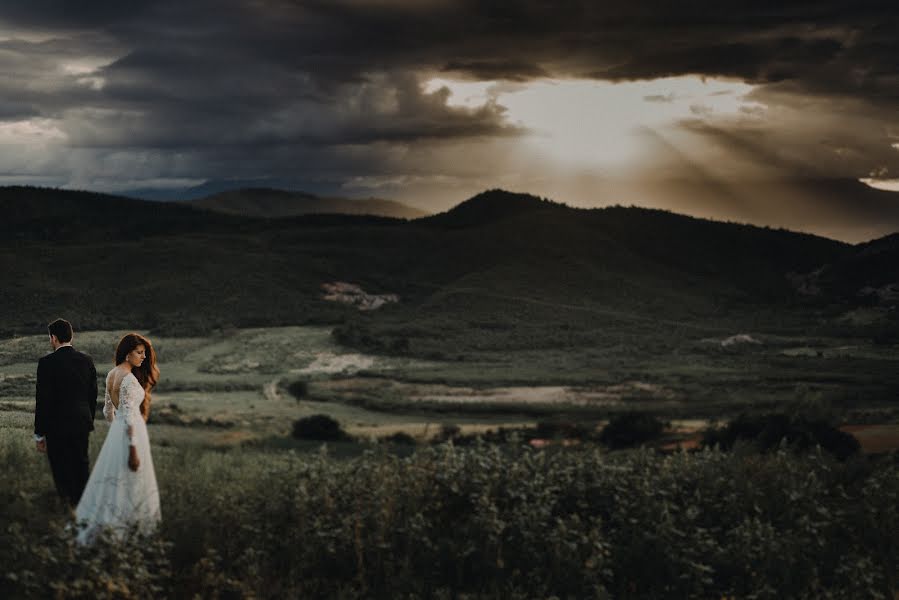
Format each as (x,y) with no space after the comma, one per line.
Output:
(400,438)
(631,429)
(563,430)
(298,389)
(479,522)
(448,431)
(319,427)
(766,431)
(52,564)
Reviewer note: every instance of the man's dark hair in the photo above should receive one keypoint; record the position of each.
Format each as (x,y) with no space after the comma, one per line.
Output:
(62,329)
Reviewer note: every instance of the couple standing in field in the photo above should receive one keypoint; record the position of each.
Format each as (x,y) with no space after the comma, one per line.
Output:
(121,492)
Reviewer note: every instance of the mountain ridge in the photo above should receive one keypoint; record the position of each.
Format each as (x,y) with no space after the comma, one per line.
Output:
(490,206)
(271,203)
(637,259)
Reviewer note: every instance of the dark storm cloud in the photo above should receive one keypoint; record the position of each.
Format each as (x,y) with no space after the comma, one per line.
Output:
(68,15)
(490,70)
(342,40)
(209,88)
(33,80)
(759,41)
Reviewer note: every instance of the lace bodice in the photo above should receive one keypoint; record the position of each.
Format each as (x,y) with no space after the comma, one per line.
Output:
(131,395)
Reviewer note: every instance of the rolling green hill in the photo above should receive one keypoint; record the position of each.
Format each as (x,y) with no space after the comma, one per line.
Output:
(500,270)
(52,215)
(871,269)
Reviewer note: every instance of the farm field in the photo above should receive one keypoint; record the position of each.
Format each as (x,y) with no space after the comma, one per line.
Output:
(239,386)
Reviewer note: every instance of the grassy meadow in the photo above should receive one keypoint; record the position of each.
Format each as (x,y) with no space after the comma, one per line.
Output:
(250,512)
(234,386)
(475,522)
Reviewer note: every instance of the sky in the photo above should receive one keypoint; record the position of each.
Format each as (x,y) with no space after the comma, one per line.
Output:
(779,114)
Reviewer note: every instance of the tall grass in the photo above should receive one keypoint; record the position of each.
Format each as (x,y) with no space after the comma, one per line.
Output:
(474,522)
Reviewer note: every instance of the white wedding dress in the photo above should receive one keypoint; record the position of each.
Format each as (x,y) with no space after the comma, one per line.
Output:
(115,496)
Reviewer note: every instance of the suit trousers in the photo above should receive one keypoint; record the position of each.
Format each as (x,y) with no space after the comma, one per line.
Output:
(69,463)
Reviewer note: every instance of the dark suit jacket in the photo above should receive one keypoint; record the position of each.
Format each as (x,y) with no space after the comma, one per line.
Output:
(66,393)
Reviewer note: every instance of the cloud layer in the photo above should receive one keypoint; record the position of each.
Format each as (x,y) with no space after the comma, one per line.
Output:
(332,94)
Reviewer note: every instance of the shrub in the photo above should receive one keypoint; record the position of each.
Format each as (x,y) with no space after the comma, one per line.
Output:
(448,431)
(631,429)
(563,430)
(298,389)
(480,522)
(319,427)
(54,565)
(766,431)
(400,437)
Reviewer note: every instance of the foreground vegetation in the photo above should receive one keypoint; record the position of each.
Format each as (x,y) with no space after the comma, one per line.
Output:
(513,310)
(480,521)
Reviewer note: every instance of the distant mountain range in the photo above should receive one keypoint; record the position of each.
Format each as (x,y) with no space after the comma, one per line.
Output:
(273,204)
(249,199)
(843,209)
(212,187)
(529,271)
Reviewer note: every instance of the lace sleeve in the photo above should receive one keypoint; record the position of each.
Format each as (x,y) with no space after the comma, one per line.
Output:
(131,394)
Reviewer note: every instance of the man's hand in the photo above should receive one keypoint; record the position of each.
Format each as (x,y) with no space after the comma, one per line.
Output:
(41,446)
(133,460)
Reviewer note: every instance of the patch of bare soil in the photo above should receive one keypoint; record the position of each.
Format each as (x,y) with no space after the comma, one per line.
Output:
(875,438)
(330,363)
(512,395)
(354,295)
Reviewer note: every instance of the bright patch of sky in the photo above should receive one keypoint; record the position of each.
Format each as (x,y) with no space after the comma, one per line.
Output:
(889,185)
(82,66)
(84,70)
(34,37)
(586,123)
(30,131)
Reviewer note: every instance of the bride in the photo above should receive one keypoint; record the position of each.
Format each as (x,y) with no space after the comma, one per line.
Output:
(121,492)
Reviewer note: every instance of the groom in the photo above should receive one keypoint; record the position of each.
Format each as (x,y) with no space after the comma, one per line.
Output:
(66,401)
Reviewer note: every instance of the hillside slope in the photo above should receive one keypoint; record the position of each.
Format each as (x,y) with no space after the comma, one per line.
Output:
(519,268)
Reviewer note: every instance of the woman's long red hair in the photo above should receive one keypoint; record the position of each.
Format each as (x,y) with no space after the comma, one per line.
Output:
(147,374)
